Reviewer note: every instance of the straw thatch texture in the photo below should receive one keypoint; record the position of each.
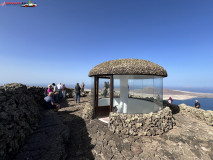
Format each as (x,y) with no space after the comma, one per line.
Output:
(128,67)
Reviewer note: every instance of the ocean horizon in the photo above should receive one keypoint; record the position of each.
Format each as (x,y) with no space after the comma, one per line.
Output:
(206,103)
(88,86)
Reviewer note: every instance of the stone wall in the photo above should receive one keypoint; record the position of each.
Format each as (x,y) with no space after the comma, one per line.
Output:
(142,124)
(70,93)
(206,116)
(88,111)
(174,108)
(19,116)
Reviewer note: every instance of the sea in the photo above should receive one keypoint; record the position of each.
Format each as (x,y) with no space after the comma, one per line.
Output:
(205,103)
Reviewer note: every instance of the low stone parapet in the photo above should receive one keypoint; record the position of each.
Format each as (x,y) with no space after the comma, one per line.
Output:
(206,116)
(142,124)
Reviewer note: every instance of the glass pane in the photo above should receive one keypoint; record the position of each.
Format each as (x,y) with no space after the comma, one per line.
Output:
(116,88)
(131,87)
(104,92)
(158,93)
(116,94)
(138,93)
(148,89)
(92,92)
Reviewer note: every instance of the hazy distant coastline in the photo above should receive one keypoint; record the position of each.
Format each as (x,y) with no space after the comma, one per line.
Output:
(183,95)
(175,94)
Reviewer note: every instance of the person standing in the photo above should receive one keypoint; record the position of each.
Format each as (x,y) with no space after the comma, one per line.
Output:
(77,93)
(55,91)
(64,91)
(170,100)
(197,104)
(82,87)
(60,89)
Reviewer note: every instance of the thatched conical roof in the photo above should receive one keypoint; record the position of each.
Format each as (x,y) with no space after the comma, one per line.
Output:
(128,67)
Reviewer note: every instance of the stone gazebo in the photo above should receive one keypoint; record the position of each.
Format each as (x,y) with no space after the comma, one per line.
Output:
(128,95)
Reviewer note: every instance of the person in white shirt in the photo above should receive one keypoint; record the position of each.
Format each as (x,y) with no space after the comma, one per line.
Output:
(59,86)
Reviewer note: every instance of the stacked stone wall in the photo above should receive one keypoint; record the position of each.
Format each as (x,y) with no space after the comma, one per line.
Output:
(142,124)
(206,116)
(88,111)
(19,116)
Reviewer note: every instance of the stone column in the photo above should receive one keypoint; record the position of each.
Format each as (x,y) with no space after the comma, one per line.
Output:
(124,92)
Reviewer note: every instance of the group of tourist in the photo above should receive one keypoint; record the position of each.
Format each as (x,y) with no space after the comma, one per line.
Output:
(55,93)
(58,90)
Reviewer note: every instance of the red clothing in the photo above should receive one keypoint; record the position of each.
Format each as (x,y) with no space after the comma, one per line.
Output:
(170,100)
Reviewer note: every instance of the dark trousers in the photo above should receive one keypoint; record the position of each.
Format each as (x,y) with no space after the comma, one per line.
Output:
(56,98)
(77,96)
(60,93)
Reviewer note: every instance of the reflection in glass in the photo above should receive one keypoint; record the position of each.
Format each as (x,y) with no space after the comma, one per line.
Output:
(104,92)
(138,93)
(92,92)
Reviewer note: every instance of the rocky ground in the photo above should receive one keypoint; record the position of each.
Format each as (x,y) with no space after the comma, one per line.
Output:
(190,139)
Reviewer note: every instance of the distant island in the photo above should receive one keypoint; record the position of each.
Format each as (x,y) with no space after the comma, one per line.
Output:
(175,94)
(183,95)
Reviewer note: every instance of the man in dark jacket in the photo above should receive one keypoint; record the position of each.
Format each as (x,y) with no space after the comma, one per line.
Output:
(77,93)
(197,104)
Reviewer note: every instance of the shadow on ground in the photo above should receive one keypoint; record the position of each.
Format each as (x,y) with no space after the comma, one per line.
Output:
(79,146)
(59,136)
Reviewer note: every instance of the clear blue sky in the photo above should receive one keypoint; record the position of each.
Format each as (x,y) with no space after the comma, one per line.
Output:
(63,40)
